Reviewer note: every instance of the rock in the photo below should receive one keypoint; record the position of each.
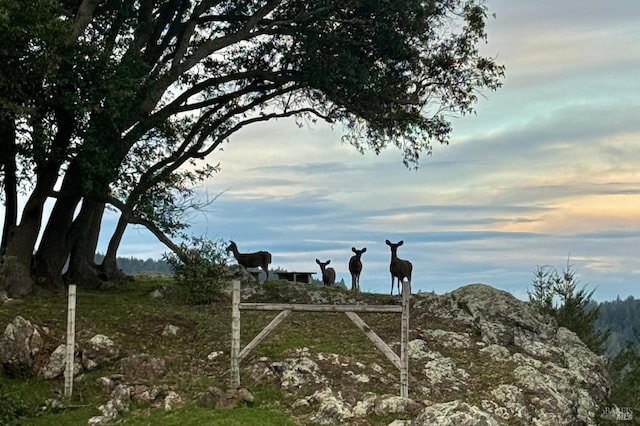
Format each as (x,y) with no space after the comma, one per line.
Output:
(497,352)
(210,398)
(366,405)
(142,366)
(213,355)
(98,351)
(455,413)
(147,394)
(98,421)
(249,286)
(173,401)
(235,397)
(119,403)
(499,317)
(298,372)
(443,372)
(56,364)
(332,409)
(20,344)
(396,405)
(447,338)
(170,330)
(121,398)
(156,294)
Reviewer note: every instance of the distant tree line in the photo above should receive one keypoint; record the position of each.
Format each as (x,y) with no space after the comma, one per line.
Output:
(621,317)
(132,266)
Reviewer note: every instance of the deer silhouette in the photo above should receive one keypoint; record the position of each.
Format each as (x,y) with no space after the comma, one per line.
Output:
(328,274)
(355,267)
(399,268)
(258,259)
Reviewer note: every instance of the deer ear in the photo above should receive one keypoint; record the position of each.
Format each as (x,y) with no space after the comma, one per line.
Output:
(328,262)
(353,249)
(400,243)
(388,242)
(364,249)
(318,261)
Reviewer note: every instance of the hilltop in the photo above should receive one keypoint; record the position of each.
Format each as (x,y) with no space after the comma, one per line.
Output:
(477,354)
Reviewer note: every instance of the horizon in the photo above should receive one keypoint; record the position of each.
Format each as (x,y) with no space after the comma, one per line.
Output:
(545,171)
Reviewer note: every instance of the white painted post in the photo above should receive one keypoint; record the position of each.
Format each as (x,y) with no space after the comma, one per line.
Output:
(235,334)
(404,340)
(71,342)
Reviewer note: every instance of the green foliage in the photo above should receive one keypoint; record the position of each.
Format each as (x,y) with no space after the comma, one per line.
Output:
(557,295)
(624,372)
(11,409)
(199,270)
(622,317)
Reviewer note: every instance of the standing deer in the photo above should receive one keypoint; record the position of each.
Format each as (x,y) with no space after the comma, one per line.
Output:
(259,259)
(328,274)
(399,268)
(355,267)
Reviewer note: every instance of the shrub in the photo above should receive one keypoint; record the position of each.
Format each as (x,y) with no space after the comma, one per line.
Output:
(10,408)
(199,270)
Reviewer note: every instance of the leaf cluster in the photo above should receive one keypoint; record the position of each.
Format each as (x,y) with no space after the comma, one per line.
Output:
(199,271)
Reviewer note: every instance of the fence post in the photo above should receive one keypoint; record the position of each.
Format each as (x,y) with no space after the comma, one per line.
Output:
(404,340)
(71,342)
(235,334)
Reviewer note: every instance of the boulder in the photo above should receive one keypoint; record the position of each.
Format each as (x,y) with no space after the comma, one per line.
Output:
(142,366)
(98,350)
(234,398)
(21,343)
(56,364)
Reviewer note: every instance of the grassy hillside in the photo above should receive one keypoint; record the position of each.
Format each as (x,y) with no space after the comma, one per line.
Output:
(135,321)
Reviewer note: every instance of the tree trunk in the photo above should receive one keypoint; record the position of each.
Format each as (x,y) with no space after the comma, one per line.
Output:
(20,241)
(55,245)
(110,262)
(83,236)
(15,277)
(9,181)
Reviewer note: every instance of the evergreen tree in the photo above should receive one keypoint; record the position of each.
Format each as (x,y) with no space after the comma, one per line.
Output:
(558,295)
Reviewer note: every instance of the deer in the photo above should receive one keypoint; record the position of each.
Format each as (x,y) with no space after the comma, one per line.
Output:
(355,267)
(328,274)
(399,268)
(258,259)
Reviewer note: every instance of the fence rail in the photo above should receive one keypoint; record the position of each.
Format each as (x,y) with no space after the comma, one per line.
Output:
(401,362)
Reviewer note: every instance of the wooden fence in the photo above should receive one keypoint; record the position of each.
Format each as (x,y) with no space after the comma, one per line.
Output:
(401,362)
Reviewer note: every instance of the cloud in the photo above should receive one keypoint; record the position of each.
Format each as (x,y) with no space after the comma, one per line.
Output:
(547,168)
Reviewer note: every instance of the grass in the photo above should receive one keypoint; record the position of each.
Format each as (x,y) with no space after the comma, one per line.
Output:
(135,321)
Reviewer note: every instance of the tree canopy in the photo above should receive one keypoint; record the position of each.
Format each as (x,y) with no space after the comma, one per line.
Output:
(106,102)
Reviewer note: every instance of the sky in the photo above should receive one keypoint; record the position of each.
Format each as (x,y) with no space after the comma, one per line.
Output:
(546,172)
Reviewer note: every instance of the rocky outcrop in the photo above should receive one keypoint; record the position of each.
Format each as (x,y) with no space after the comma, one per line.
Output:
(477,355)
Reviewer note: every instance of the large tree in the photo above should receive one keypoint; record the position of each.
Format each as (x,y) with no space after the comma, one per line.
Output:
(117,74)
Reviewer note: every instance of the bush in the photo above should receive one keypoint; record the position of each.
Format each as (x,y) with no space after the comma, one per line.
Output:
(199,270)
(10,408)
